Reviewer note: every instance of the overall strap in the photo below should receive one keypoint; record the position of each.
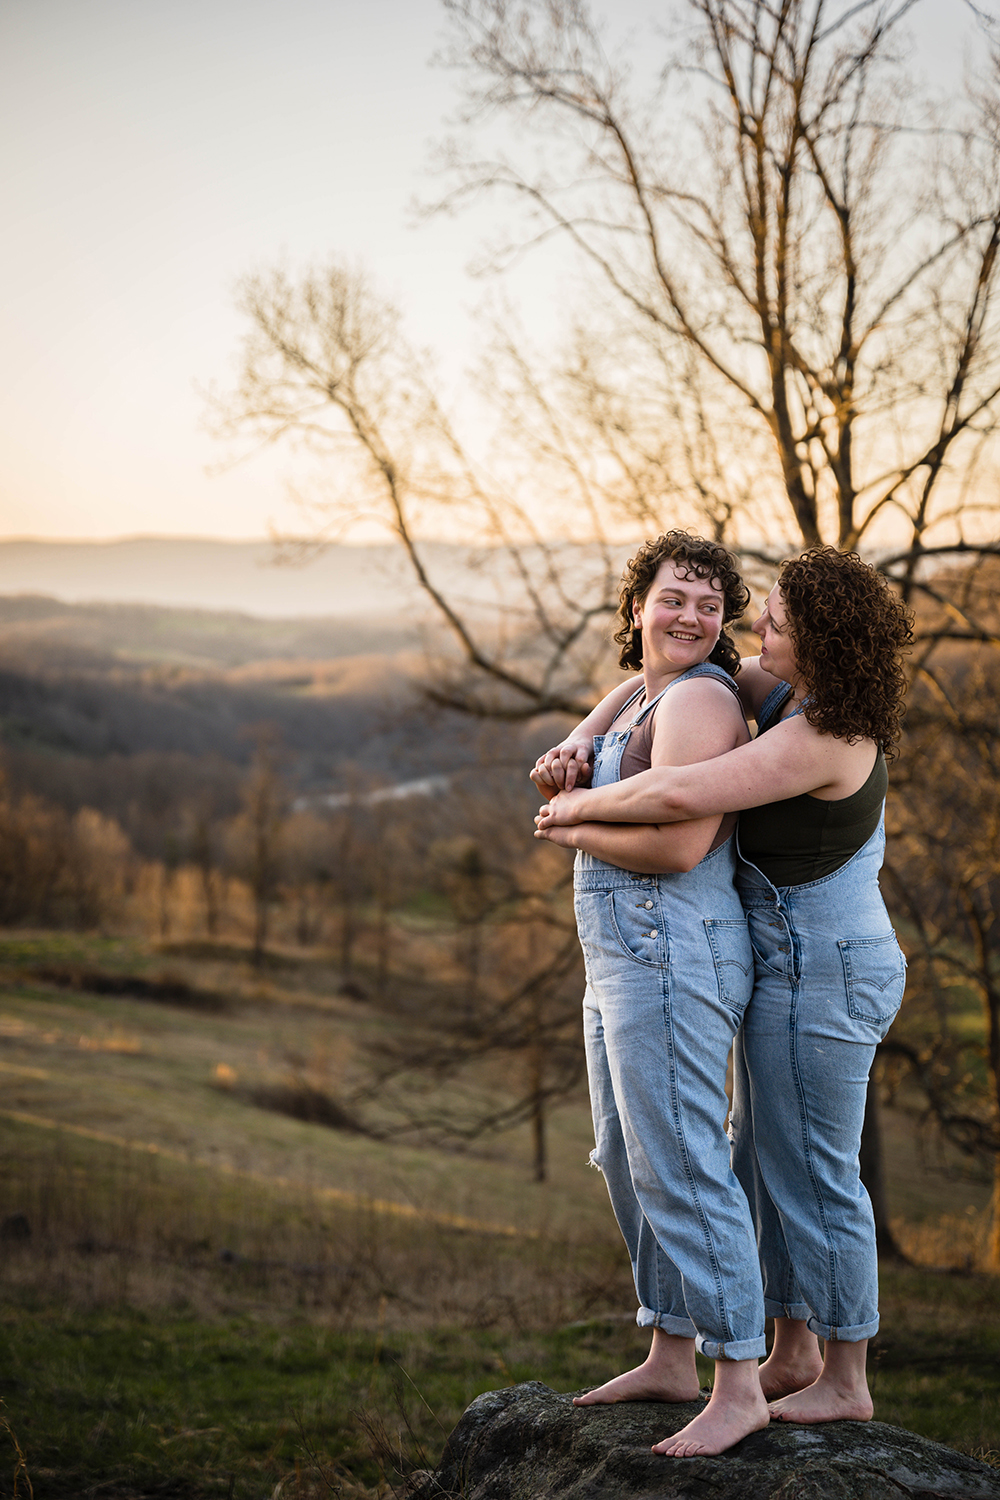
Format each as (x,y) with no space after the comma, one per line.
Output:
(772,706)
(703,669)
(628,704)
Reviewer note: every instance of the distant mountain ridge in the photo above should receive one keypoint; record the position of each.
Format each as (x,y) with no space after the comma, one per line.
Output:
(369,583)
(195,573)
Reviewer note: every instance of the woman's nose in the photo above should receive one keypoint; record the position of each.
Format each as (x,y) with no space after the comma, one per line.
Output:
(758,626)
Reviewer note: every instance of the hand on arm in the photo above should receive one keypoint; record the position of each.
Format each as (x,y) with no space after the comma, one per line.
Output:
(702,720)
(790,759)
(569,763)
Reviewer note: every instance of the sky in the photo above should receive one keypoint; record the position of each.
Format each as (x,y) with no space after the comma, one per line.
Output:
(151,153)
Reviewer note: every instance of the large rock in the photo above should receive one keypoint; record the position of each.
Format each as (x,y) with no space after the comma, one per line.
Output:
(530,1443)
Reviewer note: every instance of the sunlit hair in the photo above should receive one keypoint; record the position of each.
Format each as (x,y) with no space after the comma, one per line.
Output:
(848,631)
(693,557)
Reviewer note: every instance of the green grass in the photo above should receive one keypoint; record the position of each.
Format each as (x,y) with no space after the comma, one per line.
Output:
(210,1304)
(125,1403)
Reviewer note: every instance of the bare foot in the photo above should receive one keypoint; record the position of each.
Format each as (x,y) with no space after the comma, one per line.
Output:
(720,1426)
(668,1373)
(641,1385)
(826,1400)
(781,1377)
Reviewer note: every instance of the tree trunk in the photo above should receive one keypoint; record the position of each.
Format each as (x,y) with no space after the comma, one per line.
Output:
(873,1174)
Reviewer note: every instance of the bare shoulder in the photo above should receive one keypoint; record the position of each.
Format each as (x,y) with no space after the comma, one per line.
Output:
(696,720)
(702,696)
(842,768)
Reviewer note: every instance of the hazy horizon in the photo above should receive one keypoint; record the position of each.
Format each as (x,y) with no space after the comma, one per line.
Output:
(152,156)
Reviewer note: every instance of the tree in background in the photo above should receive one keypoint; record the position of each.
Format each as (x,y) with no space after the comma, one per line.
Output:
(785,220)
(257,833)
(943,878)
(498,1045)
(204,848)
(792,331)
(791,334)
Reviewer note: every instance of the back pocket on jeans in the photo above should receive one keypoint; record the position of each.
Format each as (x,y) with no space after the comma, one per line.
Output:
(732,954)
(874,973)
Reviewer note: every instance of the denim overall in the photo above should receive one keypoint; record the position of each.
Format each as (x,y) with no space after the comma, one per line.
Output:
(829,978)
(669,974)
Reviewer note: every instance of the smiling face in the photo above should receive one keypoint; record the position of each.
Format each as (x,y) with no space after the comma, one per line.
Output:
(680,619)
(777,655)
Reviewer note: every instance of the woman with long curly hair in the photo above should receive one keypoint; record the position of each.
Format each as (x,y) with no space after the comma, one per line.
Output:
(669,973)
(827,693)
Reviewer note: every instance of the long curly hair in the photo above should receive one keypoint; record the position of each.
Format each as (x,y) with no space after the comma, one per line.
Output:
(693,557)
(849,632)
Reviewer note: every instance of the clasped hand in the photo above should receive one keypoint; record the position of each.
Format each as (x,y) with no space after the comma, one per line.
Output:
(556,816)
(556,774)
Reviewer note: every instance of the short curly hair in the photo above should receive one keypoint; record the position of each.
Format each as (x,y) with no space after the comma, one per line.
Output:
(692,556)
(849,632)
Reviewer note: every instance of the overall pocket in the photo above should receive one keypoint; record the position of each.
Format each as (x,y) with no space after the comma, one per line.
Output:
(636,921)
(874,975)
(729,940)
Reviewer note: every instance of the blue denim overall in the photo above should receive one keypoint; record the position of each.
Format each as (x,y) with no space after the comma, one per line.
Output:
(829,979)
(669,974)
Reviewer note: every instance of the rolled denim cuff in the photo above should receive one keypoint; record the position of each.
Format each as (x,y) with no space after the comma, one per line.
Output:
(843,1335)
(736,1349)
(681,1327)
(798,1310)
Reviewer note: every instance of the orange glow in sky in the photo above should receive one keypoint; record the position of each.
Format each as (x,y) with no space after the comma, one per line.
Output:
(151,154)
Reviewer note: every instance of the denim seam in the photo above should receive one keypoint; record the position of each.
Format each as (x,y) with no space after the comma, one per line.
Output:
(713,1260)
(807,1148)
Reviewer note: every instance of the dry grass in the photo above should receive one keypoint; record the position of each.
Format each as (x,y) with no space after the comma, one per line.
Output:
(296,1275)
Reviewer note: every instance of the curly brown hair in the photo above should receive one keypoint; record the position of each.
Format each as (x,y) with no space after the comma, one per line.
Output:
(693,557)
(849,632)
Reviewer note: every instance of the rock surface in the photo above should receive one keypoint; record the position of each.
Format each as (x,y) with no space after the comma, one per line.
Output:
(530,1443)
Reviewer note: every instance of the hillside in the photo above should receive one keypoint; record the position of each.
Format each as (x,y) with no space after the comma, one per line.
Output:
(126,707)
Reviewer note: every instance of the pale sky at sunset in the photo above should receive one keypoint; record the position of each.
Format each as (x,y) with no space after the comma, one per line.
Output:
(151,151)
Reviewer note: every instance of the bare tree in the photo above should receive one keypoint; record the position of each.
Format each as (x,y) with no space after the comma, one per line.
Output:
(326,367)
(800,226)
(508,1045)
(256,835)
(945,884)
(791,334)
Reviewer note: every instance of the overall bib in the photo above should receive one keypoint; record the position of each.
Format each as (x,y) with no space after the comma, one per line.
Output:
(669,975)
(829,979)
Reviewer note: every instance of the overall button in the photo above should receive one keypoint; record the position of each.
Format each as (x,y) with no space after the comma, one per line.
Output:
(649,906)
(654,933)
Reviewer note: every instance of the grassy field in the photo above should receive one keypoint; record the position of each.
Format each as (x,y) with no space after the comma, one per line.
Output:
(202,1296)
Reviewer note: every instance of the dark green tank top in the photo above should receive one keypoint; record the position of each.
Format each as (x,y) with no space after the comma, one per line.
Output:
(804,838)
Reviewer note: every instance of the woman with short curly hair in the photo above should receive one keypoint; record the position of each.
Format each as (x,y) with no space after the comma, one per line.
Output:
(703,560)
(827,693)
(669,972)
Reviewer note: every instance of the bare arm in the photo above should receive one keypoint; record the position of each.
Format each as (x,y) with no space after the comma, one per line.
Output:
(568,763)
(790,759)
(647,848)
(695,720)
